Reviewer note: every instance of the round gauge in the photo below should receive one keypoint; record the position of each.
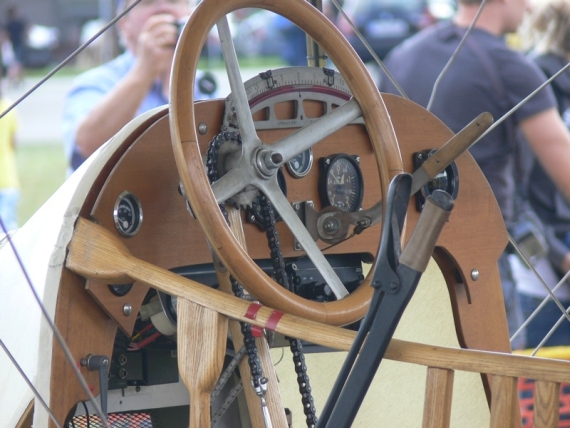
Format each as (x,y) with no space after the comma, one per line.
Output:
(301,164)
(340,182)
(447,180)
(127,214)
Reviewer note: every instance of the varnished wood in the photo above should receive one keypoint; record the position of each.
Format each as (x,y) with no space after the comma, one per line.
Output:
(437,402)
(106,258)
(272,397)
(188,155)
(86,329)
(504,406)
(171,238)
(27,419)
(546,404)
(202,336)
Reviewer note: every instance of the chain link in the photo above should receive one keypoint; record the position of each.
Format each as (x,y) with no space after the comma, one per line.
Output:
(279,275)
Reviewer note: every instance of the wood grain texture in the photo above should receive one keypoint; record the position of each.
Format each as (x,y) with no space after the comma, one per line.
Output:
(108,259)
(188,155)
(504,406)
(273,396)
(437,403)
(170,237)
(202,334)
(546,404)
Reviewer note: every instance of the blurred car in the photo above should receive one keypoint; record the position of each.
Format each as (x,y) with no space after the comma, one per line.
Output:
(41,43)
(386,23)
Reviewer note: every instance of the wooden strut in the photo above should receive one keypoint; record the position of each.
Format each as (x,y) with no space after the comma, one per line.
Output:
(96,253)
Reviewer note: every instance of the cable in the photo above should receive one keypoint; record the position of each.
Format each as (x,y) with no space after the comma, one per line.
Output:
(143,330)
(143,343)
(87,414)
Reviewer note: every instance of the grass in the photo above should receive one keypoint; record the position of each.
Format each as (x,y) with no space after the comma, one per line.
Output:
(203,64)
(42,169)
(42,166)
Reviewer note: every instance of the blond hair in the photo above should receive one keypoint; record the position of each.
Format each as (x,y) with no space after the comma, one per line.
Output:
(548,26)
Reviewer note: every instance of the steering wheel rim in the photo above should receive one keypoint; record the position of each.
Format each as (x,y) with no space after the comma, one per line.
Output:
(189,160)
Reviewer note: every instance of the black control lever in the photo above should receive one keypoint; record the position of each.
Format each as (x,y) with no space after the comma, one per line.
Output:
(394,279)
(101,364)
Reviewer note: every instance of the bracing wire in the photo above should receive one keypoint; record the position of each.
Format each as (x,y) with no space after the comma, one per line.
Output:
(53,327)
(30,384)
(370,50)
(454,55)
(82,47)
(69,58)
(565,312)
(56,332)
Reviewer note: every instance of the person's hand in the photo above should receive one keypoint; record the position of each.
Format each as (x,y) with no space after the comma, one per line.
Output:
(155,46)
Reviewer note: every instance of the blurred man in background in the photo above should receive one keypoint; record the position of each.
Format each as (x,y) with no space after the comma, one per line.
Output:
(487,76)
(104,99)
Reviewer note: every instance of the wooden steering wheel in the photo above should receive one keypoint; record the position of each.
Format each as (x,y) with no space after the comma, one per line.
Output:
(257,164)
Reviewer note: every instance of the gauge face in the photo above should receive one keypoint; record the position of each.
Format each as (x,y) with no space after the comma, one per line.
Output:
(127,214)
(301,164)
(340,183)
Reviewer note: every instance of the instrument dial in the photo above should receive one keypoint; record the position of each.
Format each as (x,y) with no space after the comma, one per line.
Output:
(340,182)
(127,214)
(301,164)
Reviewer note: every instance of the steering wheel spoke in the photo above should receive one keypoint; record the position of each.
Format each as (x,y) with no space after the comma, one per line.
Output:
(231,183)
(283,207)
(259,162)
(306,137)
(244,118)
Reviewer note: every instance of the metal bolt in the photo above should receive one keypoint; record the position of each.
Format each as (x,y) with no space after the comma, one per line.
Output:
(127,309)
(475,274)
(202,128)
(330,225)
(296,206)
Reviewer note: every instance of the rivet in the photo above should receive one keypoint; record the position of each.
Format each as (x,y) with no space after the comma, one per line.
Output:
(202,128)
(127,309)
(474,274)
